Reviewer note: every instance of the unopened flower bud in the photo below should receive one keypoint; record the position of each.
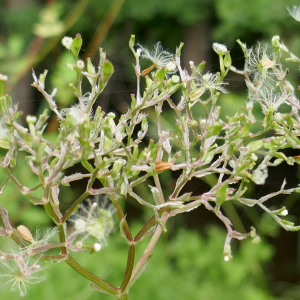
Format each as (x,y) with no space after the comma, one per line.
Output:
(275,38)
(3,77)
(97,247)
(278,117)
(115,172)
(31,119)
(226,258)
(170,66)
(220,49)
(175,79)
(79,245)
(249,105)
(67,42)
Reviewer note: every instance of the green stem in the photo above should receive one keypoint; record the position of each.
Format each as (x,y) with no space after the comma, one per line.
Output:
(147,254)
(86,164)
(129,266)
(74,206)
(112,290)
(131,250)
(62,238)
(123,296)
(148,225)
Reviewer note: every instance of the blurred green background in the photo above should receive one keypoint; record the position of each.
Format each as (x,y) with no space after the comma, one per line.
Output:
(30,35)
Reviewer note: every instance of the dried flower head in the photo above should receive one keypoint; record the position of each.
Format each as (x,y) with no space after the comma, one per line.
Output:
(210,82)
(94,219)
(260,65)
(294,12)
(20,272)
(158,56)
(272,99)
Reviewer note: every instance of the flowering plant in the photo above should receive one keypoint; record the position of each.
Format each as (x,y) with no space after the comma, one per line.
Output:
(113,154)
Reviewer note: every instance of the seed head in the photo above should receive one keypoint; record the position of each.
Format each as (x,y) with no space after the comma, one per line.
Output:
(20,272)
(158,56)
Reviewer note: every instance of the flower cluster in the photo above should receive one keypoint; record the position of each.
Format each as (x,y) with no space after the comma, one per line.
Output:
(115,160)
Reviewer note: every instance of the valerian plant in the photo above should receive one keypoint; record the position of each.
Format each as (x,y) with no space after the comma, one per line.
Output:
(114,157)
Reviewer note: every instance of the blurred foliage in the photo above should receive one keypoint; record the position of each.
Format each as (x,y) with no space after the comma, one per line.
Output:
(171,274)
(256,19)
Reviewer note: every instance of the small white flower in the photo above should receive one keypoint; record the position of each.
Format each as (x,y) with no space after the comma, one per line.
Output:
(97,247)
(220,49)
(226,258)
(67,42)
(158,56)
(175,79)
(80,64)
(294,12)
(284,212)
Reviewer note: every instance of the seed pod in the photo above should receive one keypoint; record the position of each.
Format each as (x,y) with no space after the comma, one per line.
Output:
(25,233)
(162,166)
(146,71)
